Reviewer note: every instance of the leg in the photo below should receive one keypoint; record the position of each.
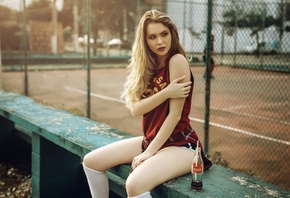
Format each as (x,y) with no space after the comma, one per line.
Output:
(204,60)
(98,183)
(121,152)
(98,161)
(212,67)
(144,195)
(166,164)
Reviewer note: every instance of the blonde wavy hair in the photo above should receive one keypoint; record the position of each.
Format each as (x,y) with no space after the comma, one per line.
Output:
(143,62)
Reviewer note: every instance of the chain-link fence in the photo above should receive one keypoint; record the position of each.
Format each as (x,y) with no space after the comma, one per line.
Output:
(249,89)
(249,124)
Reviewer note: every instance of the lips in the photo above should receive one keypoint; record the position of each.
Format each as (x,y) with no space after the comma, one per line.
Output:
(161,49)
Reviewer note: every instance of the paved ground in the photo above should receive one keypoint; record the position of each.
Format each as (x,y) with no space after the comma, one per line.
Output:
(249,129)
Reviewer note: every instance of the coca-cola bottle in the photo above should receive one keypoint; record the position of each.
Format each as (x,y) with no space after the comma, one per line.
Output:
(197,170)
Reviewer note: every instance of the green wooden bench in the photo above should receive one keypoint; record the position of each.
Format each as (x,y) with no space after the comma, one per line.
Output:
(60,139)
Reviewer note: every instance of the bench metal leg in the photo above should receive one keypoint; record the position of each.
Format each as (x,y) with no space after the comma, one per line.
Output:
(6,134)
(6,129)
(56,172)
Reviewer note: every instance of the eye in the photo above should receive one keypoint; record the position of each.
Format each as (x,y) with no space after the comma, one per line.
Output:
(164,34)
(152,37)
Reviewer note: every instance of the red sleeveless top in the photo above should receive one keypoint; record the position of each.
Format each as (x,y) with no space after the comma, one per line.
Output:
(153,120)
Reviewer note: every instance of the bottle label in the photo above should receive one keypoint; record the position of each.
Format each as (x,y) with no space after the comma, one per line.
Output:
(197,168)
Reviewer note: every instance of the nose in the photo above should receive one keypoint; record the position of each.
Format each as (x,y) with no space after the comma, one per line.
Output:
(159,40)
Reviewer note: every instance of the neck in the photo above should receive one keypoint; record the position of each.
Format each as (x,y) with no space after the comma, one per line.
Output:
(161,61)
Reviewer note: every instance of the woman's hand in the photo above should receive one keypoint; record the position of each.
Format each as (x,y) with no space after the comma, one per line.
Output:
(139,159)
(176,89)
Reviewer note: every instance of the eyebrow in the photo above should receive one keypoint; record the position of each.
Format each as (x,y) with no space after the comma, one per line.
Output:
(158,33)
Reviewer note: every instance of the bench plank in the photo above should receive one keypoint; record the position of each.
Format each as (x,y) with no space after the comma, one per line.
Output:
(75,133)
(219,181)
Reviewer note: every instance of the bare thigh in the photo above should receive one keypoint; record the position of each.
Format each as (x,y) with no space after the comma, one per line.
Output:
(120,152)
(166,164)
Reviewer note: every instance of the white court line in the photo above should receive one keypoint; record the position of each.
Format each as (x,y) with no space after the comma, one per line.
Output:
(253,116)
(96,95)
(241,131)
(191,118)
(230,110)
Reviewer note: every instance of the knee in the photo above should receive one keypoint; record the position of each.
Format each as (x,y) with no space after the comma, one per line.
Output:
(94,160)
(134,186)
(88,161)
(131,187)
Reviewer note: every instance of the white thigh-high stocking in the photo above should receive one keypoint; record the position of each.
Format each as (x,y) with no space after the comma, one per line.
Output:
(144,195)
(98,183)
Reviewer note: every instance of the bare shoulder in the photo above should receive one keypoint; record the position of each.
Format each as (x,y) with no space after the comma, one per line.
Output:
(178,66)
(178,59)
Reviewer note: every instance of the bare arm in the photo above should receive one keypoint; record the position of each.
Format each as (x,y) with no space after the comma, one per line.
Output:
(176,89)
(178,67)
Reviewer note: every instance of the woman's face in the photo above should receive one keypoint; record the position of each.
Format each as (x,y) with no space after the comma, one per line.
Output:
(158,38)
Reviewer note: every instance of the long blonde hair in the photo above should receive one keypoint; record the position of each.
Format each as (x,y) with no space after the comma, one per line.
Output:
(143,62)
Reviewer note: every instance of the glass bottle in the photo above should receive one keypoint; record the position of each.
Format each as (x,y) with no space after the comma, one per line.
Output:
(197,170)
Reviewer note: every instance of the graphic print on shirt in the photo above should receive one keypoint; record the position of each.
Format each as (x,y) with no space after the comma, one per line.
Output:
(158,83)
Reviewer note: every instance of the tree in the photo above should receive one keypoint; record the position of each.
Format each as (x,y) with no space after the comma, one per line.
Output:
(254,17)
(284,15)
(109,16)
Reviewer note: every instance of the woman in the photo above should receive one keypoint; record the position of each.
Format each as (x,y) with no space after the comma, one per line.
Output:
(159,88)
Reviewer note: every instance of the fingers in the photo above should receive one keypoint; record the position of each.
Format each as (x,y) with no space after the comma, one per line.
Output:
(185,90)
(178,89)
(186,84)
(178,79)
(185,93)
(140,159)
(136,162)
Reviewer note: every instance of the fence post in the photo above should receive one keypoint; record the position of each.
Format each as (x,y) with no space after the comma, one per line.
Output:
(208,76)
(54,41)
(24,29)
(88,21)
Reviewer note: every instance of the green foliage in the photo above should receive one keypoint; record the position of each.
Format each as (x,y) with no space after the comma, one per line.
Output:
(249,20)
(109,15)
(105,15)
(254,17)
